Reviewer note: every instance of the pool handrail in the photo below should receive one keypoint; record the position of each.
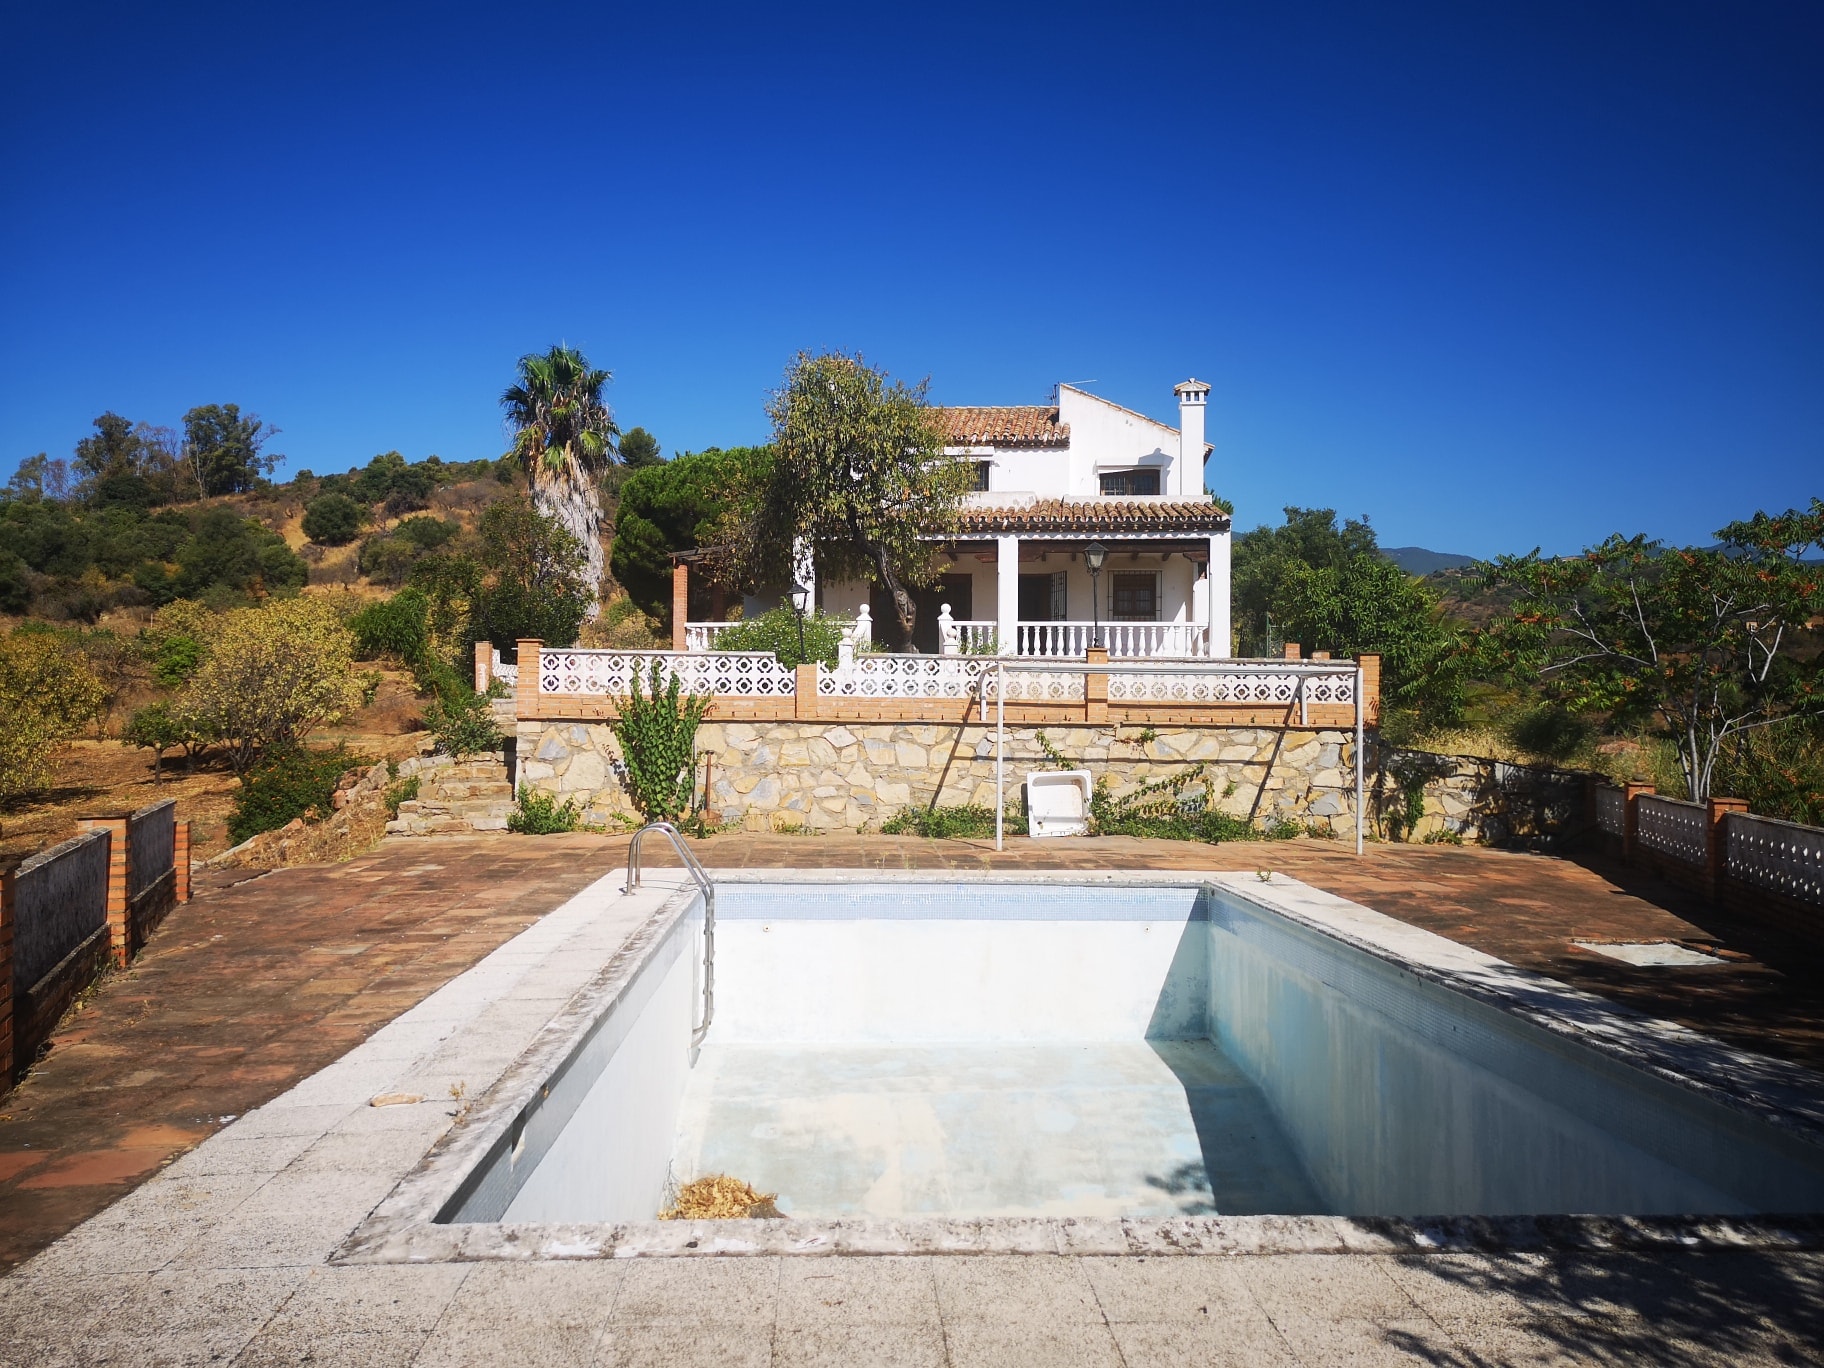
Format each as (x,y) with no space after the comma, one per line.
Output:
(694,868)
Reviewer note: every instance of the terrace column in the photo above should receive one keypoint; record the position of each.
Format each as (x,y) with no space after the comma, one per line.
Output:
(1007,594)
(1217,595)
(680,603)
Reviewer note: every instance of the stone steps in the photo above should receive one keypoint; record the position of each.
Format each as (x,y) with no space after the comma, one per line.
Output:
(457,798)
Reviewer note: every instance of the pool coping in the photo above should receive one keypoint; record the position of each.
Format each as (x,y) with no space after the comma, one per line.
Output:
(404,1228)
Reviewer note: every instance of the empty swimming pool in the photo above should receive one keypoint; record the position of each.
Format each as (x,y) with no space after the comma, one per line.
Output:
(994,1048)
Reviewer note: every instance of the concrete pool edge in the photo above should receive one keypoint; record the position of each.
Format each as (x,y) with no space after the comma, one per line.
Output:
(405,1227)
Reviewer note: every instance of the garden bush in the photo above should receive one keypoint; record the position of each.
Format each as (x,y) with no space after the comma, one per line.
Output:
(969,821)
(540,814)
(777,631)
(463,724)
(288,783)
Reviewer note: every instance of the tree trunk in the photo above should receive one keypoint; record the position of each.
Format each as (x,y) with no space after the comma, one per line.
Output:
(904,607)
(579,512)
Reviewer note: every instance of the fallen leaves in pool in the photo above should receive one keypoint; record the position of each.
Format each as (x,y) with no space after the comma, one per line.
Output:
(720,1198)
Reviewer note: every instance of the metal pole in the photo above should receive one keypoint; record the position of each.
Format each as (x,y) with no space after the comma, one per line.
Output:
(1000,753)
(1359,818)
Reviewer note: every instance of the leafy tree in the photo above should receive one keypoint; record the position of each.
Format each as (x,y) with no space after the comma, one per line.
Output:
(1269,558)
(273,674)
(1712,645)
(48,694)
(227,551)
(332,519)
(159,727)
(15,584)
(1331,589)
(226,449)
(859,475)
(640,449)
(676,505)
(534,577)
(564,435)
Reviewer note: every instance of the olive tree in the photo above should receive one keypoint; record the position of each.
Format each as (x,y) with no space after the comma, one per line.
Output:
(47,694)
(272,676)
(858,475)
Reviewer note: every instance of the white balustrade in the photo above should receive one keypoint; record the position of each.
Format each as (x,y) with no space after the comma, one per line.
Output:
(1670,827)
(701,636)
(1612,811)
(1781,856)
(903,676)
(1269,686)
(731,674)
(503,670)
(1124,640)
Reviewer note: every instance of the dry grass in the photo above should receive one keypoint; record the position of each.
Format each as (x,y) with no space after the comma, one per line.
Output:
(720,1198)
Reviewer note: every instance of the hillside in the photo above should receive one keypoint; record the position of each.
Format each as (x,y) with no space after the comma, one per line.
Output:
(1416,560)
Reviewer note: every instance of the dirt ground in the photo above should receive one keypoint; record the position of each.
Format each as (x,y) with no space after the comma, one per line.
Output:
(95,777)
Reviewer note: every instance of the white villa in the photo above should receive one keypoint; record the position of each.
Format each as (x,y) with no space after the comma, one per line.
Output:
(1052,482)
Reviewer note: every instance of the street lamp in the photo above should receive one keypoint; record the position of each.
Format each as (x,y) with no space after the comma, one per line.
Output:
(1093,556)
(801,601)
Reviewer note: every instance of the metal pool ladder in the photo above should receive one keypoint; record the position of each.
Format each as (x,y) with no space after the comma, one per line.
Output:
(694,868)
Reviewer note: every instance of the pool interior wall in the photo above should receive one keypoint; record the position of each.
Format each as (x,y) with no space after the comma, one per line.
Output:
(958,1049)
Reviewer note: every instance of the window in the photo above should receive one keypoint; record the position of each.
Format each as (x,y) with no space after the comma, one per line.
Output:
(1134,596)
(1130,481)
(978,476)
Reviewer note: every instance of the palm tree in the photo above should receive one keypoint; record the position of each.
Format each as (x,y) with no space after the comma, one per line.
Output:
(564,435)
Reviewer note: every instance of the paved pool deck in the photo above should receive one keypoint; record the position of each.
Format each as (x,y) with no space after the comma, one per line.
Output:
(257,985)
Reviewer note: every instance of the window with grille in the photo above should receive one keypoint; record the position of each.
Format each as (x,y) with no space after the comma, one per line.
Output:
(1130,481)
(1134,596)
(978,476)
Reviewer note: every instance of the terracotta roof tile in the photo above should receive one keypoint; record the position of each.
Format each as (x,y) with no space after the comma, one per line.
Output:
(1097,515)
(1004,425)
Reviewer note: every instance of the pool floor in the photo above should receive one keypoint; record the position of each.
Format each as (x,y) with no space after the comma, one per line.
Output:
(1147,1128)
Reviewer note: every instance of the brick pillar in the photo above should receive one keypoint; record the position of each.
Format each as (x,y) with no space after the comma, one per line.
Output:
(525,694)
(180,859)
(1291,650)
(680,603)
(6,981)
(1095,687)
(1630,819)
(804,705)
(120,933)
(484,665)
(1717,812)
(1370,662)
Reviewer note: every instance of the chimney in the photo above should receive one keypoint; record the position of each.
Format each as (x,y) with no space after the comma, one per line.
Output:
(1187,473)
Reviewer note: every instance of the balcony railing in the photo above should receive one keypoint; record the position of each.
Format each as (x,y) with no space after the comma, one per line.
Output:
(1069,639)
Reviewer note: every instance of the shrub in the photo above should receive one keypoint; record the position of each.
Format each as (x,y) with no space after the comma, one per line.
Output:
(272,675)
(971,820)
(539,814)
(287,783)
(777,631)
(658,734)
(402,791)
(332,519)
(1176,809)
(463,724)
(427,533)
(396,627)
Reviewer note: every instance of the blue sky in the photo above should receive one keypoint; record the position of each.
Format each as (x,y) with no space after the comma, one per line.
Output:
(1497,275)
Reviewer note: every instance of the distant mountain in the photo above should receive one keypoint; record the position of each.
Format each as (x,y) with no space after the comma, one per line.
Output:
(1416,560)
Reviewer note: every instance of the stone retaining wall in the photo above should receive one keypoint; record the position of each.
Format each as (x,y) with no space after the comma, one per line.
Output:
(853,776)
(1474,799)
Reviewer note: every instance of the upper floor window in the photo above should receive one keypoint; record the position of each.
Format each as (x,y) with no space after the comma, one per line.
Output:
(1130,481)
(978,476)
